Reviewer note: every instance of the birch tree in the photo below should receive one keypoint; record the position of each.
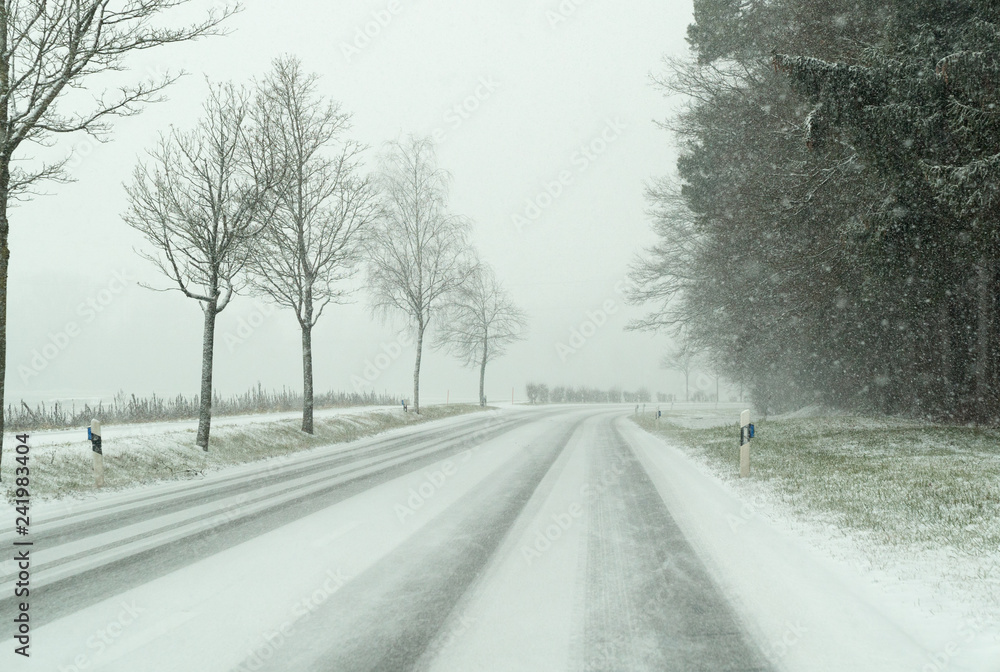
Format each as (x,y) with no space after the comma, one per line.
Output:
(48,49)
(418,252)
(480,322)
(321,207)
(197,201)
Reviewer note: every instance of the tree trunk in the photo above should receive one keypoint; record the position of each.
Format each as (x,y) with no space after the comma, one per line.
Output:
(4,223)
(416,369)
(995,350)
(207,352)
(4,263)
(307,379)
(947,374)
(687,387)
(984,341)
(482,375)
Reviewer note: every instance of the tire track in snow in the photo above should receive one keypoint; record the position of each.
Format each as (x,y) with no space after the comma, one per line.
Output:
(650,604)
(70,527)
(64,597)
(384,620)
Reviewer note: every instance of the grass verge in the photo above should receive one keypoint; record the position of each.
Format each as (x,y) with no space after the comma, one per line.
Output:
(897,482)
(916,504)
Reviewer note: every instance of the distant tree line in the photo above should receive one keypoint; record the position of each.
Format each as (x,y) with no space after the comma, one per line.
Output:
(833,235)
(540,393)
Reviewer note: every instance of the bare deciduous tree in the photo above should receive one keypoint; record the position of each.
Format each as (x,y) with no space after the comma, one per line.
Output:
(322,204)
(479,322)
(682,359)
(49,48)
(418,251)
(198,204)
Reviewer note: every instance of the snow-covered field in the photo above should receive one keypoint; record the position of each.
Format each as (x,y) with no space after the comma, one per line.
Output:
(141,454)
(913,508)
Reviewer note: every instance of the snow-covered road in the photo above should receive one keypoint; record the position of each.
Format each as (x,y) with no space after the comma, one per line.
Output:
(513,540)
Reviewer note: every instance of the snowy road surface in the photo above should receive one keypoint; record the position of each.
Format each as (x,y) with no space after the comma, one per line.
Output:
(515,540)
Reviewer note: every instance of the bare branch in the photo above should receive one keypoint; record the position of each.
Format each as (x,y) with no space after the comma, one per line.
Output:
(197,203)
(323,205)
(418,253)
(480,321)
(48,49)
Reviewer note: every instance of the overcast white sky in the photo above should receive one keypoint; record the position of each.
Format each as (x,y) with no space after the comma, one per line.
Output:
(552,89)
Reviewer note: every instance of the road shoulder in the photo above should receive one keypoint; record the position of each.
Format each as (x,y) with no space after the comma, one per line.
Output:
(776,581)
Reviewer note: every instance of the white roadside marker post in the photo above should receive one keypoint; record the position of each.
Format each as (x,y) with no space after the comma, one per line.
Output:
(94,434)
(746,433)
